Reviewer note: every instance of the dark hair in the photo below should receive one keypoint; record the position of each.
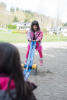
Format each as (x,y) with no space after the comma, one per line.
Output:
(11,66)
(35,23)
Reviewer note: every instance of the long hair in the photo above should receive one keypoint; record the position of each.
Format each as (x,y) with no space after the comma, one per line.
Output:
(11,66)
(35,23)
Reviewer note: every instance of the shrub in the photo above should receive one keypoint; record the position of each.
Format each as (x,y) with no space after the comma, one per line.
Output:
(19,31)
(44,30)
(11,26)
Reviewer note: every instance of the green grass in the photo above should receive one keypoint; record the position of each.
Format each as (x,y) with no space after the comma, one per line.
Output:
(2,30)
(50,38)
(21,38)
(13,38)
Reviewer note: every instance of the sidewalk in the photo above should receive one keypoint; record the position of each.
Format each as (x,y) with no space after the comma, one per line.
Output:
(52,84)
(46,45)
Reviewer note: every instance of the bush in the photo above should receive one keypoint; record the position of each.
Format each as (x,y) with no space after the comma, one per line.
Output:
(11,26)
(15,19)
(44,30)
(19,31)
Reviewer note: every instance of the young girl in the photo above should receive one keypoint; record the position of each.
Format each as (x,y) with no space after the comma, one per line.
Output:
(12,83)
(35,34)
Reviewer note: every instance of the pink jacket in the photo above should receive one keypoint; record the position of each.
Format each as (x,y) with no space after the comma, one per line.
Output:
(38,35)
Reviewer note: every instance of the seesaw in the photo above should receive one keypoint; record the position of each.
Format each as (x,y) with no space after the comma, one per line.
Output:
(29,66)
(34,66)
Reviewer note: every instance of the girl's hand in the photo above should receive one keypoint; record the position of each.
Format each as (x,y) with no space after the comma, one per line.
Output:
(36,41)
(33,40)
(29,40)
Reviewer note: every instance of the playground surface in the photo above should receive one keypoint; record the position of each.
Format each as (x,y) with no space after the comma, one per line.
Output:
(51,78)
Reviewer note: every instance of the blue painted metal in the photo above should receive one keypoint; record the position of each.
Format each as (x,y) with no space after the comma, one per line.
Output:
(28,65)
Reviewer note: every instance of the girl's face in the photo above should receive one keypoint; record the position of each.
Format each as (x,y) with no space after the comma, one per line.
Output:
(35,27)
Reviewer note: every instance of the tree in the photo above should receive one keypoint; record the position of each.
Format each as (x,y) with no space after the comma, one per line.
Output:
(17,9)
(28,11)
(15,19)
(26,20)
(12,9)
(65,24)
(2,6)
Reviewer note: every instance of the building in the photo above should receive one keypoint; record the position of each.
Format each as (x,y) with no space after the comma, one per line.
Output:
(22,25)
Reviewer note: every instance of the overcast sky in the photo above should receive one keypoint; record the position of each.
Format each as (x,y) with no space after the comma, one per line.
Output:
(52,8)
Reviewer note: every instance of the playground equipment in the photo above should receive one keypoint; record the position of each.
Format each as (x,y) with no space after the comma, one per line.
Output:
(29,65)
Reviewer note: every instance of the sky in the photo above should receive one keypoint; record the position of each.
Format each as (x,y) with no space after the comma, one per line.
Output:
(52,8)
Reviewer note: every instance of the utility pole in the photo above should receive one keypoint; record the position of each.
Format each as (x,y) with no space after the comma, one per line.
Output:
(58,17)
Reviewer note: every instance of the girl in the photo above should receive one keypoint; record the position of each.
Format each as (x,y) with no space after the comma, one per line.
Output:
(12,84)
(35,34)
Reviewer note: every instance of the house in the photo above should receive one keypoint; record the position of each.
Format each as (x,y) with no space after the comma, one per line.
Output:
(22,25)
(64,30)
(54,30)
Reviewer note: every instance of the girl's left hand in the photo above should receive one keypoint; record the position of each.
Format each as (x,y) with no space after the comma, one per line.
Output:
(36,41)
(33,40)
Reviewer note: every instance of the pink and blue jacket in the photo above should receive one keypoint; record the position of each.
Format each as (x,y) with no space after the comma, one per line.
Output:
(38,35)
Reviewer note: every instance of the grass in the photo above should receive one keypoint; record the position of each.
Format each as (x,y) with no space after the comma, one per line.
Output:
(22,38)
(13,38)
(52,38)
(2,30)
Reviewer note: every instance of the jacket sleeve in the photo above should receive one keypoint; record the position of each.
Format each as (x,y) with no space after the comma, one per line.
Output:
(28,35)
(39,38)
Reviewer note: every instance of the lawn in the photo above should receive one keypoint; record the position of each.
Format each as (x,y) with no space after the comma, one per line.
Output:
(13,38)
(21,38)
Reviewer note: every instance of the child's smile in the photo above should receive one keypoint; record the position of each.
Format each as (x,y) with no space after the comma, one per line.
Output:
(35,27)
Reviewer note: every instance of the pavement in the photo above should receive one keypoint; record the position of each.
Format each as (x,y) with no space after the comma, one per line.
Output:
(51,78)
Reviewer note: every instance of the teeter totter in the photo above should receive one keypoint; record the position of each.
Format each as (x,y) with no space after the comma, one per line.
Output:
(29,65)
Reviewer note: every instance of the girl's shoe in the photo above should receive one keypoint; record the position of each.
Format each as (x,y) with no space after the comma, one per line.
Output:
(41,62)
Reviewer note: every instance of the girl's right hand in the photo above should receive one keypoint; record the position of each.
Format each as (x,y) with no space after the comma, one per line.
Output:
(29,40)
(33,40)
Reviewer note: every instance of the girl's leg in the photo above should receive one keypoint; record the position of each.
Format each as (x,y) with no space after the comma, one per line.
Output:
(41,55)
(40,52)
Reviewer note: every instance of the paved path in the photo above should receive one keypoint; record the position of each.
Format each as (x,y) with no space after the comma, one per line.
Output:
(52,84)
